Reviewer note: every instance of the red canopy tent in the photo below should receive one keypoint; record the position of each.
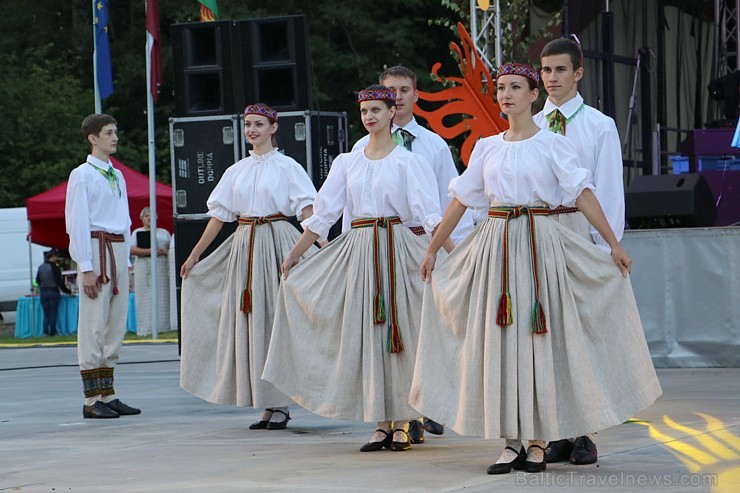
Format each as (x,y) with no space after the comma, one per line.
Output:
(46,210)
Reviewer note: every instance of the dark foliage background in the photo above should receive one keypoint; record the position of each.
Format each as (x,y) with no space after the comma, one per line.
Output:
(46,79)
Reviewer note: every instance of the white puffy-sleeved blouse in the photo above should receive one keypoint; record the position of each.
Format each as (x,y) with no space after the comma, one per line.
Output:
(258,186)
(540,170)
(401,184)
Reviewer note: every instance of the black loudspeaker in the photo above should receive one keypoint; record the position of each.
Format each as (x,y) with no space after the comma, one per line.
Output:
(201,148)
(275,62)
(670,201)
(207,68)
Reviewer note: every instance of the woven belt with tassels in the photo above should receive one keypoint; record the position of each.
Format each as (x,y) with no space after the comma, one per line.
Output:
(105,242)
(504,316)
(245,301)
(394,344)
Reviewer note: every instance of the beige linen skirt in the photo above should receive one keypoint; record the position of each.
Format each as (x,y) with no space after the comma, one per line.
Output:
(326,352)
(224,349)
(591,370)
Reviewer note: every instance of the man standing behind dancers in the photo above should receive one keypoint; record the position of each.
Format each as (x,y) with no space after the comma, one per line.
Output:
(409,134)
(596,139)
(99,227)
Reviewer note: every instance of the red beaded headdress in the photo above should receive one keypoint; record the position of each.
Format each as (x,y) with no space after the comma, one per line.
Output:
(376,95)
(519,69)
(262,110)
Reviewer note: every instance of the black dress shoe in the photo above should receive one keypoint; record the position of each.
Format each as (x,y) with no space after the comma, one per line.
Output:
(98,411)
(416,432)
(375,446)
(506,467)
(278,425)
(558,451)
(433,427)
(262,424)
(531,466)
(400,446)
(121,408)
(584,451)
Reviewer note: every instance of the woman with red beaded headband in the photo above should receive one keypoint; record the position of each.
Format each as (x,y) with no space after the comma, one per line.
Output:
(228,299)
(527,317)
(345,334)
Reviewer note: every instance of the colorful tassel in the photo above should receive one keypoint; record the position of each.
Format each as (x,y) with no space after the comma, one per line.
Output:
(504,316)
(378,309)
(394,343)
(246,302)
(539,325)
(103,279)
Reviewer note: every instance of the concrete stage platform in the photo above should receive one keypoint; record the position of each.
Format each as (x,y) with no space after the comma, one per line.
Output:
(688,441)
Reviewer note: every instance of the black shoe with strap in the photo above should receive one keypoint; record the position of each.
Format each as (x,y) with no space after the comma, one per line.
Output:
(532,466)
(506,467)
(400,446)
(261,424)
(375,446)
(278,425)
(584,451)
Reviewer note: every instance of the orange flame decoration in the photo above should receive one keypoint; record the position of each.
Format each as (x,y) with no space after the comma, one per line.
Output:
(472,95)
(206,14)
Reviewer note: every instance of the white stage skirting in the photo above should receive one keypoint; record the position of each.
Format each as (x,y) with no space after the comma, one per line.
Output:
(687,285)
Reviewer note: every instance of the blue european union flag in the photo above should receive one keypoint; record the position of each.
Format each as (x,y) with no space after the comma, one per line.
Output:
(102,50)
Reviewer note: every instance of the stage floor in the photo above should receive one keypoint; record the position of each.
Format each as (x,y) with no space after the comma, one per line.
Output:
(688,441)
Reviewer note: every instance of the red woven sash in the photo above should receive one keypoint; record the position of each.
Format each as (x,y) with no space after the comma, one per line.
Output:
(394,344)
(105,243)
(245,303)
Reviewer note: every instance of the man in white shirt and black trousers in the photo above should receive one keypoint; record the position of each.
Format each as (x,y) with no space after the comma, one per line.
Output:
(99,227)
(596,139)
(415,138)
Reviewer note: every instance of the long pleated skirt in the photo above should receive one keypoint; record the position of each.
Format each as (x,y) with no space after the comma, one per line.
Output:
(224,349)
(326,352)
(591,370)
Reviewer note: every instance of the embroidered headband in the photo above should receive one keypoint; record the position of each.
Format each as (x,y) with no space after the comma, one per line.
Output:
(519,69)
(376,95)
(262,110)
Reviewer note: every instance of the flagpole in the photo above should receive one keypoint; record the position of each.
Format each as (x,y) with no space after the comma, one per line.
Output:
(98,106)
(152,183)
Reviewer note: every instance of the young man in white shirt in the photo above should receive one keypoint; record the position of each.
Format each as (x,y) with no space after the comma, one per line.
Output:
(99,227)
(597,142)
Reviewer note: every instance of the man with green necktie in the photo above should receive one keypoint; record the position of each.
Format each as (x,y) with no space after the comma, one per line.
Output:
(99,227)
(597,142)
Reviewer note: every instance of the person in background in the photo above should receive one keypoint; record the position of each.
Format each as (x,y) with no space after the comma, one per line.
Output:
(228,299)
(49,280)
(595,137)
(99,227)
(141,249)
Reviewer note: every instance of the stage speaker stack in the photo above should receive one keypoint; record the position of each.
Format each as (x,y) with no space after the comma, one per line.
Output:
(207,68)
(275,62)
(670,201)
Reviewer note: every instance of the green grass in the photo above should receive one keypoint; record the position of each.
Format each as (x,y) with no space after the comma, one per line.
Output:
(71,340)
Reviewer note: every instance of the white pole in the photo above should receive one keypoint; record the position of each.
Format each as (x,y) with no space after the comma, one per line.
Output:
(152,183)
(499,55)
(30,273)
(98,107)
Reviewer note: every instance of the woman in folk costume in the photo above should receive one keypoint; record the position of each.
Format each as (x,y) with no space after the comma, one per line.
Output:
(228,300)
(347,319)
(528,317)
